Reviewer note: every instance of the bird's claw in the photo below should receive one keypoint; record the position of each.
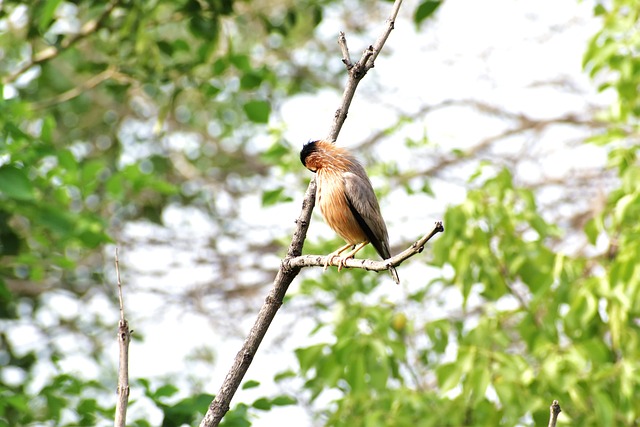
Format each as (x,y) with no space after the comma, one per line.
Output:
(328,260)
(340,263)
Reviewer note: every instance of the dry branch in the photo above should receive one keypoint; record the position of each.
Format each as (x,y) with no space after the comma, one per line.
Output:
(124,338)
(554,410)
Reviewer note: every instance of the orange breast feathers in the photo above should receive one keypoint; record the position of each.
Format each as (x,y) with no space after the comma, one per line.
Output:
(332,200)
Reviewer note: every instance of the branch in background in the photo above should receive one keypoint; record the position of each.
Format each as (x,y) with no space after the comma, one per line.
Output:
(76,91)
(555,410)
(51,52)
(220,405)
(365,264)
(124,338)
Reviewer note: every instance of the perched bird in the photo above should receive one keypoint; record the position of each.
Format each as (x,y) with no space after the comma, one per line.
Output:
(346,200)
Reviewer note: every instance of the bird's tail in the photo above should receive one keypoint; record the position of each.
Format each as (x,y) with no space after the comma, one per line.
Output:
(394,274)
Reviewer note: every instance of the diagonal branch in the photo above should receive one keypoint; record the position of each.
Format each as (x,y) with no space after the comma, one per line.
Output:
(76,91)
(287,272)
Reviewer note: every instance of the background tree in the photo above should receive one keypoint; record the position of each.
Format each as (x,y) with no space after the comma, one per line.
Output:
(158,125)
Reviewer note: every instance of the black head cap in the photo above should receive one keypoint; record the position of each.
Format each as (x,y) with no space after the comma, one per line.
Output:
(307,149)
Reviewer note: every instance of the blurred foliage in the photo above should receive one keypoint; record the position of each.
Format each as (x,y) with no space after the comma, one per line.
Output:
(536,322)
(113,113)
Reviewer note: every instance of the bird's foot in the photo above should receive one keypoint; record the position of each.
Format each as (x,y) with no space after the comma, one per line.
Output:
(328,260)
(336,254)
(342,261)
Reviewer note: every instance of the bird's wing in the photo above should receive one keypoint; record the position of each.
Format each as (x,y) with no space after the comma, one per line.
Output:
(364,207)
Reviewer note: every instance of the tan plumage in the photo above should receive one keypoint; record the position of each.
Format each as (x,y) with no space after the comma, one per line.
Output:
(347,200)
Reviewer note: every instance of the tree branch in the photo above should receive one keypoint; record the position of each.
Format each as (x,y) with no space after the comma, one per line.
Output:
(76,91)
(366,264)
(220,405)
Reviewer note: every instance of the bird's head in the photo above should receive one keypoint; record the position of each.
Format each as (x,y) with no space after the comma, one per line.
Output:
(321,154)
(309,154)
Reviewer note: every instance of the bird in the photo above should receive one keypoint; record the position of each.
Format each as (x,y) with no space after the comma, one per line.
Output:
(347,201)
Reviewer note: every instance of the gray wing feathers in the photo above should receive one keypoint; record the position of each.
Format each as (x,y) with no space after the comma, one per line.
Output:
(364,206)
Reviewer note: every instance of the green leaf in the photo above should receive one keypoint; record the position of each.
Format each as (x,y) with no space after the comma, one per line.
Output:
(166,390)
(15,184)
(622,205)
(67,160)
(165,47)
(57,221)
(599,9)
(284,401)
(46,14)
(448,375)
(591,230)
(284,375)
(479,381)
(276,152)
(219,66)
(237,417)
(250,384)
(250,80)
(425,10)
(257,111)
(262,403)
(48,128)
(603,408)
(308,356)
(241,62)
(272,197)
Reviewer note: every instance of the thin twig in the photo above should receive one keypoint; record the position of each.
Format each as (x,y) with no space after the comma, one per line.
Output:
(554,410)
(124,337)
(346,58)
(220,405)
(76,91)
(359,70)
(51,52)
(382,39)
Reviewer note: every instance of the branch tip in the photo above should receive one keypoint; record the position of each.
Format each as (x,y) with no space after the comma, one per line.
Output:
(554,410)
